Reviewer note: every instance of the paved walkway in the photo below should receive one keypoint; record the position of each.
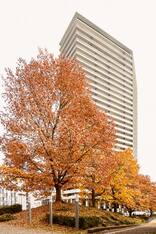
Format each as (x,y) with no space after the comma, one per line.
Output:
(9,229)
(149,228)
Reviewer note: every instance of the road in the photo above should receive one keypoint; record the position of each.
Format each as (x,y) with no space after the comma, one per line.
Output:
(149,228)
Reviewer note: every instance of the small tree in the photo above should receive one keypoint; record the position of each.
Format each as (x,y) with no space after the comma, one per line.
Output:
(98,175)
(152,198)
(147,199)
(122,187)
(51,125)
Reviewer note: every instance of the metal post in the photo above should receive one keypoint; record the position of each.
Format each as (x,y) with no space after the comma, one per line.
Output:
(51,209)
(30,216)
(6,195)
(29,209)
(15,201)
(3,198)
(11,196)
(0,196)
(77,212)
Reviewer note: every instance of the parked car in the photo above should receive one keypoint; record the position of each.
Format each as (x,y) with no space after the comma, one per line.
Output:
(140,213)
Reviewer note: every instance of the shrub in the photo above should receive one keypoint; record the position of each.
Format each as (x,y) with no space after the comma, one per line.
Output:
(89,221)
(11,209)
(64,220)
(84,221)
(6,217)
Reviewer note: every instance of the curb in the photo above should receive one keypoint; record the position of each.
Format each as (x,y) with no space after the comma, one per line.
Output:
(99,229)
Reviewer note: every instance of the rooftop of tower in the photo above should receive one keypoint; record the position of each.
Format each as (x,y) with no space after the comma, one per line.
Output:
(95,27)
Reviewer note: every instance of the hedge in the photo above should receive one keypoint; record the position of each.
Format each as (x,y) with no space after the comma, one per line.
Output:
(84,221)
(10,209)
(6,217)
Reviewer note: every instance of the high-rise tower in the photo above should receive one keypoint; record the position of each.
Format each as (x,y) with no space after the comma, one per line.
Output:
(109,69)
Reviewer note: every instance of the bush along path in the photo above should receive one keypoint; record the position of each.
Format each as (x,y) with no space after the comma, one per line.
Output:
(6,212)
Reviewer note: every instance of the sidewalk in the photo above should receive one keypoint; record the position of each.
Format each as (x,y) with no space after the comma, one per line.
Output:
(9,229)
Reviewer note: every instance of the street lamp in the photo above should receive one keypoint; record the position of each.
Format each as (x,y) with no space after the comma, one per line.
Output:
(51,208)
(77,211)
(29,209)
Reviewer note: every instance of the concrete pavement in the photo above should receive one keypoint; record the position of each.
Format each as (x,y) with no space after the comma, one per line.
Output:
(149,228)
(9,229)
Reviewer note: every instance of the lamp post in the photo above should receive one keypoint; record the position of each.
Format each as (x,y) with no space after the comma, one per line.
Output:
(77,211)
(29,209)
(51,208)
(28,204)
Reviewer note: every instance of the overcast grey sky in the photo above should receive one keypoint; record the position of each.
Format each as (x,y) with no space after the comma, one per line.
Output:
(26,25)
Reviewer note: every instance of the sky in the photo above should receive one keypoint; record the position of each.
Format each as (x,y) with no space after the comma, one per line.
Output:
(26,25)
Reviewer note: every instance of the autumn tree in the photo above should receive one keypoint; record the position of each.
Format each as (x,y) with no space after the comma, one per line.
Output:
(122,188)
(147,199)
(145,188)
(98,175)
(152,198)
(51,125)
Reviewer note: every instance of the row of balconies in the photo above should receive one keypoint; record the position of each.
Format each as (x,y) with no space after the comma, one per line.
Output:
(112,89)
(122,143)
(119,126)
(102,46)
(104,52)
(68,37)
(102,38)
(109,111)
(106,78)
(109,96)
(124,136)
(112,105)
(106,69)
(104,57)
(104,87)
(107,75)
(128,75)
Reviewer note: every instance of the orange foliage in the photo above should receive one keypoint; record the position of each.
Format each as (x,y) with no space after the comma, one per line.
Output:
(122,186)
(52,125)
(148,193)
(152,197)
(98,175)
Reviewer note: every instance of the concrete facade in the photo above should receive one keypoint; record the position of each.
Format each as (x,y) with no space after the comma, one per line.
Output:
(110,72)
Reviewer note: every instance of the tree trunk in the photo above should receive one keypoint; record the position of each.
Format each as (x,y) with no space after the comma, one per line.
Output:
(130,212)
(58,193)
(93,198)
(115,206)
(151,212)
